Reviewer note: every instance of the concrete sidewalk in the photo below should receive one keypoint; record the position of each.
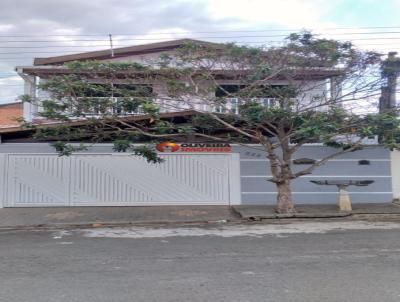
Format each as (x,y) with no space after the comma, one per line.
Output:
(259,212)
(87,216)
(74,216)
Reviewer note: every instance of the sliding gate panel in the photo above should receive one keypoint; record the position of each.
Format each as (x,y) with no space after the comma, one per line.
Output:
(37,180)
(117,180)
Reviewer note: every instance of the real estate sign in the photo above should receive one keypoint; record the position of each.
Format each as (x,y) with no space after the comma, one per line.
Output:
(194,147)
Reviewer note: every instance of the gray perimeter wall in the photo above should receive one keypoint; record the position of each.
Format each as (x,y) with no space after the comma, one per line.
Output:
(257,190)
(255,172)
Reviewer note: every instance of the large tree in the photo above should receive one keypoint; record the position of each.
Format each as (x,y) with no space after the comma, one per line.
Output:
(273,96)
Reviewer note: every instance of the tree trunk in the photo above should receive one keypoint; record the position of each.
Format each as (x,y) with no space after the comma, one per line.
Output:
(284,198)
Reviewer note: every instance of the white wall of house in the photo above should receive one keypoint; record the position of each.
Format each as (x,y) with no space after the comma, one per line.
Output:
(150,58)
(314,92)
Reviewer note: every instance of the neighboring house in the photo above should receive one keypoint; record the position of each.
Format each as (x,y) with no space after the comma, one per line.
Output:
(9,114)
(317,79)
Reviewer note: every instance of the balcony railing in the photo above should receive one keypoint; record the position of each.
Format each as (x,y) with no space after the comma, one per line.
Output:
(118,108)
(232,105)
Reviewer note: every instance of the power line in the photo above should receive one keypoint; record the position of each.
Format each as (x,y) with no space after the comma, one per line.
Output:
(2,59)
(87,46)
(62,46)
(106,36)
(36,52)
(164,40)
(83,49)
(205,32)
(123,45)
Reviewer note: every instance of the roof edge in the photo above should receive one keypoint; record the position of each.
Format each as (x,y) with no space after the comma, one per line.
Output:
(11,103)
(166,115)
(118,52)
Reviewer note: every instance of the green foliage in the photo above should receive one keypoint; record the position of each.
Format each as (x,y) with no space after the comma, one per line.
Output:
(60,132)
(65,149)
(330,128)
(186,130)
(24,124)
(54,110)
(26,98)
(204,123)
(148,153)
(177,87)
(163,127)
(307,50)
(151,109)
(391,66)
(253,112)
(165,60)
(122,145)
(105,67)
(318,52)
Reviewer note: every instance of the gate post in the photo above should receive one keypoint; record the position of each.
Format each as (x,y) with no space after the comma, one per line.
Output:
(235,194)
(395,171)
(3,178)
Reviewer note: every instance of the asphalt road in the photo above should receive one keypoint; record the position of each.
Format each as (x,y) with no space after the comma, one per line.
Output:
(229,263)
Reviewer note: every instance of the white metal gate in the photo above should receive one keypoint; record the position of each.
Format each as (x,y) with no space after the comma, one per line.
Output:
(41,180)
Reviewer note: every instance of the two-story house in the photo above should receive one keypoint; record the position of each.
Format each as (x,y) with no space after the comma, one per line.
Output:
(35,176)
(321,81)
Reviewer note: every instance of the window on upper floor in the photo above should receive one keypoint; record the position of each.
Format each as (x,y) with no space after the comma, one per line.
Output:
(120,99)
(233,96)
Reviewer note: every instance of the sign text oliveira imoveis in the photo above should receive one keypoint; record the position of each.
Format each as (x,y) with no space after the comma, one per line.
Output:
(193,147)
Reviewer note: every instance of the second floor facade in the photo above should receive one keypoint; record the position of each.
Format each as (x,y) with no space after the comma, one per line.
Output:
(319,84)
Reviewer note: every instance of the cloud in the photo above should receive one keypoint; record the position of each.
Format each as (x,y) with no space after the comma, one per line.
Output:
(104,16)
(144,19)
(285,13)
(76,17)
(10,87)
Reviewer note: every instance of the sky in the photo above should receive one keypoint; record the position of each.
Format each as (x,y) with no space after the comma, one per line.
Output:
(44,28)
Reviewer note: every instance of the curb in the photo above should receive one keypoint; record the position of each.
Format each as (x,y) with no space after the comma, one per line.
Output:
(241,219)
(297,215)
(321,215)
(105,224)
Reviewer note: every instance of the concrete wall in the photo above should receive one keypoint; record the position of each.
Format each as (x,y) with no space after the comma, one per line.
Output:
(255,171)
(257,190)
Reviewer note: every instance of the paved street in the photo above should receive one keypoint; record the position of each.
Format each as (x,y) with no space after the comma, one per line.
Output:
(309,261)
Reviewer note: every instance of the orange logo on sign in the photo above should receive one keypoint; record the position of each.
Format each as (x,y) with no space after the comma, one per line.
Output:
(167,147)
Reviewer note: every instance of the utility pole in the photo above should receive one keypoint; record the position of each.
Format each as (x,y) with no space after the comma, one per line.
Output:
(111,45)
(390,71)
